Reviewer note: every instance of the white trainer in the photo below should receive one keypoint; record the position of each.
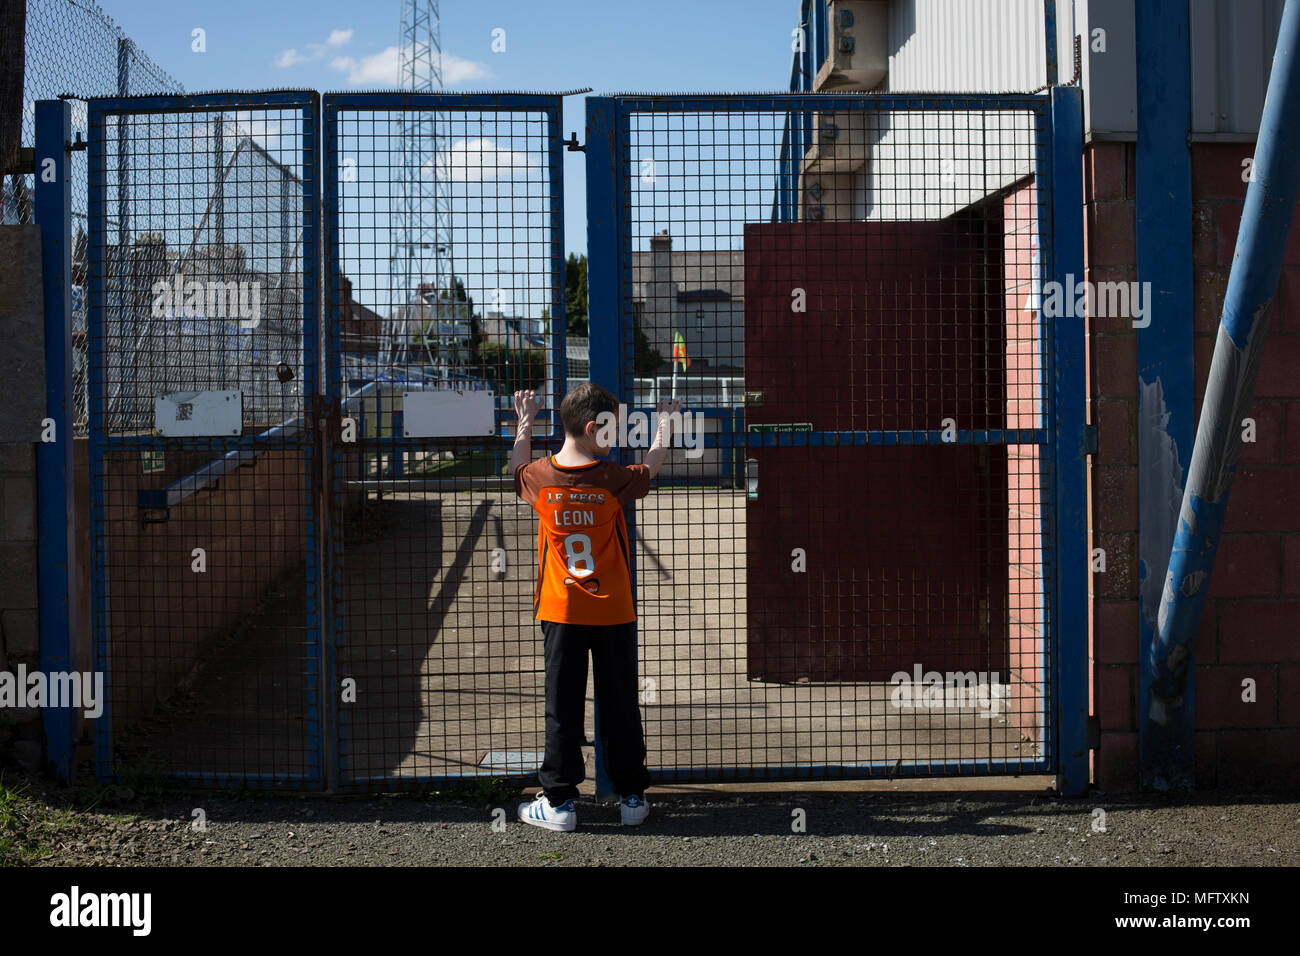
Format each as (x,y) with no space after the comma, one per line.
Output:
(635,809)
(540,813)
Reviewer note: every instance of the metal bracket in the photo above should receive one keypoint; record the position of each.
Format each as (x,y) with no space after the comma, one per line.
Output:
(1090,439)
(572,144)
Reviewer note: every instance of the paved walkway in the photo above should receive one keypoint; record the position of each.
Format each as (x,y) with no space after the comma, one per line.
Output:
(447,660)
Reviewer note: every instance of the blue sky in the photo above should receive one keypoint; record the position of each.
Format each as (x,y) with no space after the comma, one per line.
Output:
(612,46)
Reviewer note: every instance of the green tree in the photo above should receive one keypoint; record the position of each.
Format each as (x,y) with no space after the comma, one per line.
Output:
(475,338)
(512,369)
(458,294)
(646,359)
(575,294)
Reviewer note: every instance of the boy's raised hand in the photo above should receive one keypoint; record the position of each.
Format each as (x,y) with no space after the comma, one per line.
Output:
(663,415)
(527,402)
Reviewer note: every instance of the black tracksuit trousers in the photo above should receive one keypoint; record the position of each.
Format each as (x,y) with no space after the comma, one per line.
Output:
(613,655)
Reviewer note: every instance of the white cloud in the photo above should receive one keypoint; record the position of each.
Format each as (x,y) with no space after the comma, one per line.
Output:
(456,71)
(291,56)
(385,67)
(479,160)
(379,69)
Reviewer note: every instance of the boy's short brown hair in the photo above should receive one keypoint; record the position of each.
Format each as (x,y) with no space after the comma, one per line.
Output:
(584,404)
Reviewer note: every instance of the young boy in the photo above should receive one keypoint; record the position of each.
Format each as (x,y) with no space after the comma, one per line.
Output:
(583,598)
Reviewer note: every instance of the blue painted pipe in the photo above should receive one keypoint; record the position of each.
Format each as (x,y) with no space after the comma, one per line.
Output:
(1243,326)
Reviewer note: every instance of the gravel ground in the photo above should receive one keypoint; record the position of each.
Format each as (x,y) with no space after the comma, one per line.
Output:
(843,828)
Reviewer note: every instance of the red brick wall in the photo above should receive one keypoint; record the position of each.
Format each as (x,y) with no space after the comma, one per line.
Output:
(1249,629)
(1111,256)
(163,616)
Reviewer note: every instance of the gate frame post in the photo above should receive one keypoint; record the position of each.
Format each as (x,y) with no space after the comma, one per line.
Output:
(559,334)
(100,649)
(1069,617)
(55,467)
(606,333)
(321,330)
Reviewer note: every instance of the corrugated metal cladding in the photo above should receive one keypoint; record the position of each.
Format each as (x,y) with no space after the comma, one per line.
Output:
(996,45)
(980,46)
(1232,53)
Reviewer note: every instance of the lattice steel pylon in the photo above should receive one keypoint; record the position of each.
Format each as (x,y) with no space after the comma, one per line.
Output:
(420,273)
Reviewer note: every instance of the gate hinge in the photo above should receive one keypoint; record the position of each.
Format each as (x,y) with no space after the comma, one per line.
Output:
(1094,732)
(1090,439)
(572,144)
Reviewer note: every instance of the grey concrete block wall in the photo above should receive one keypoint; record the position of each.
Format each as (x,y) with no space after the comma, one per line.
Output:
(22,374)
(22,332)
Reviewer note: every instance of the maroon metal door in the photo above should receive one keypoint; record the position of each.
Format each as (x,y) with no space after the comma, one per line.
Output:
(905,545)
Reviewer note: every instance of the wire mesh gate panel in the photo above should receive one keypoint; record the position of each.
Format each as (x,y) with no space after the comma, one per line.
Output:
(203,368)
(436,661)
(853,574)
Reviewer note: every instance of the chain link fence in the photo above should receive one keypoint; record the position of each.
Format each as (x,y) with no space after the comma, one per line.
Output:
(73,48)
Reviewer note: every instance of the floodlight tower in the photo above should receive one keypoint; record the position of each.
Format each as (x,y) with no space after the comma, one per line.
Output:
(421,251)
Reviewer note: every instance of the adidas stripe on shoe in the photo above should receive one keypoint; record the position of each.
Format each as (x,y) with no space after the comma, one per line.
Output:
(540,813)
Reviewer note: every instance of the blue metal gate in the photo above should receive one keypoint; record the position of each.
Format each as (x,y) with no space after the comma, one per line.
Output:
(304,577)
(874,567)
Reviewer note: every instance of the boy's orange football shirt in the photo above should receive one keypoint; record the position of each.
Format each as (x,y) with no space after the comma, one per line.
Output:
(583,559)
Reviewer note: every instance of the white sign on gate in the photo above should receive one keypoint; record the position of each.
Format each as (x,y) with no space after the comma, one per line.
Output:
(449,413)
(199,414)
